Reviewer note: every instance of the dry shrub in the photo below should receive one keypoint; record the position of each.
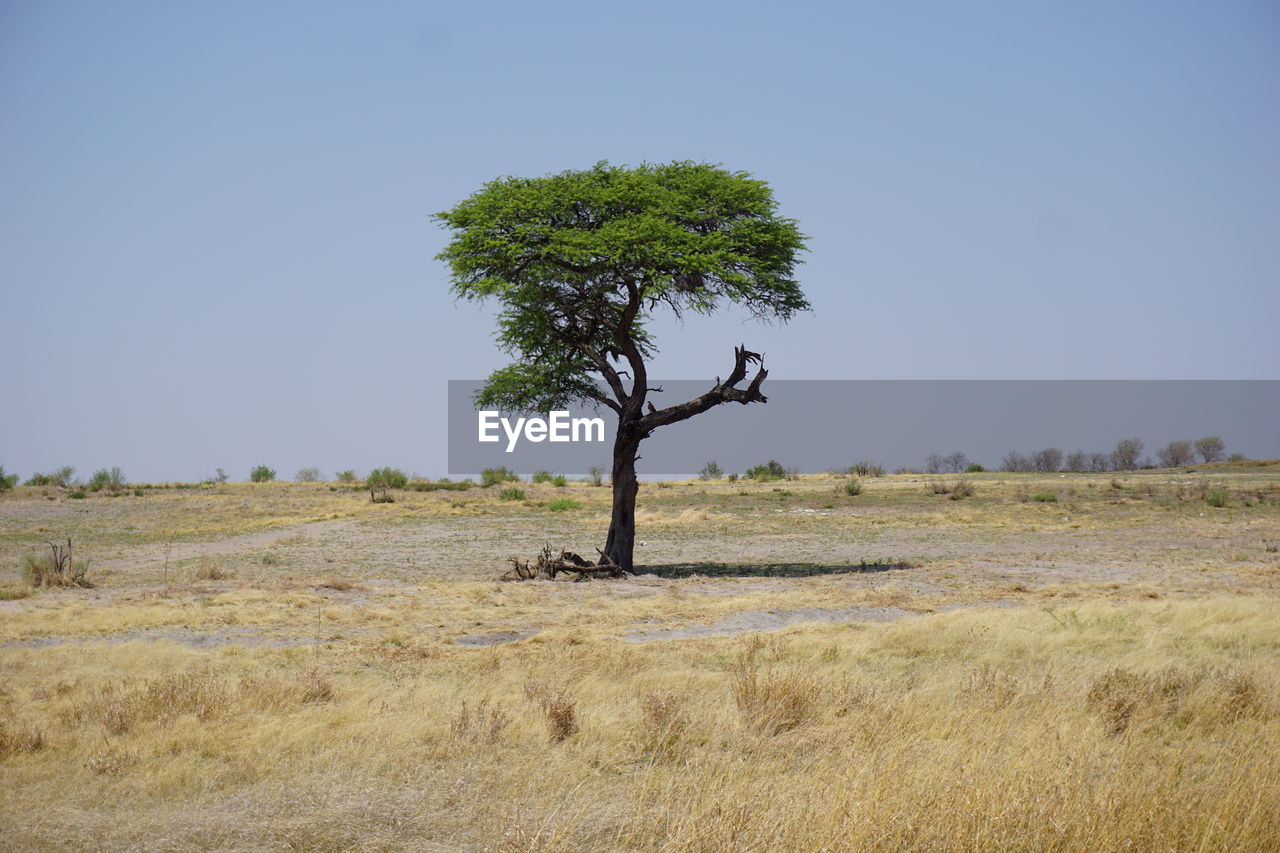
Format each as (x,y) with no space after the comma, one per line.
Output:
(212,570)
(18,737)
(1122,697)
(558,709)
(483,725)
(772,698)
(56,568)
(663,723)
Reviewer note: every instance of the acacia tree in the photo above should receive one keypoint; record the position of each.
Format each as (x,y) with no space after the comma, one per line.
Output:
(582,261)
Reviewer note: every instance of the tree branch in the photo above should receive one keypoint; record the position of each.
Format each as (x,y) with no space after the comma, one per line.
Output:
(722,392)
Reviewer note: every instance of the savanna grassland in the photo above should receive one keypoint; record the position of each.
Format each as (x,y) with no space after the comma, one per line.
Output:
(1052,662)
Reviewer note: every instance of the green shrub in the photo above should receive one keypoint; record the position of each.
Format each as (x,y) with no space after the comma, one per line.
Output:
(561,504)
(495,476)
(137,493)
(864,468)
(771,470)
(1044,497)
(112,480)
(7,481)
(381,480)
(853,488)
(541,477)
(1217,497)
(347,476)
(439,486)
(38,479)
(78,494)
(710,471)
(262,474)
(733,478)
(559,481)
(511,493)
(974,468)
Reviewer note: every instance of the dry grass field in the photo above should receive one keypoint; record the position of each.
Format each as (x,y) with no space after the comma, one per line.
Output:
(1055,662)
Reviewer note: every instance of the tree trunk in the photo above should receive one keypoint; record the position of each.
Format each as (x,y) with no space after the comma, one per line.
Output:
(622,525)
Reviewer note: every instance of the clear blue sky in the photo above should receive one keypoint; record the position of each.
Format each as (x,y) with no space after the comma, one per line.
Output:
(215,245)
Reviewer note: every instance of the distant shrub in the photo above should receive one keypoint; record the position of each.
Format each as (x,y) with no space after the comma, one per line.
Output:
(439,486)
(7,481)
(1218,498)
(112,480)
(220,475)
(495,476)
(561,504)
(771,470)
(541,477)
(560,481)
(78,495)
(853,488)
(596,475)
(1237,457)
(308,475)
(1044,497)
(262,474)
(1125,456)
(137,493)
(1176,454)
(956,491)
(864,468)
(710,471)
(347,476)
(381,480)
(733,478)
(511,493)
(212,570)
(38,479)
(974,468)
(1211,448)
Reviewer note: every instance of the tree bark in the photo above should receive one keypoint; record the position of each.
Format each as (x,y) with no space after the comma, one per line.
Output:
(620,545)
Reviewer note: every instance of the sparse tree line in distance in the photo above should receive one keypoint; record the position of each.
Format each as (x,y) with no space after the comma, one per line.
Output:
(1127,456)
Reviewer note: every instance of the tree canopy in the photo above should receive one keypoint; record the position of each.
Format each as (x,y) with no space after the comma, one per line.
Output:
(581,260)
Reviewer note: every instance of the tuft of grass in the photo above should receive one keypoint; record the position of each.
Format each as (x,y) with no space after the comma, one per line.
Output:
(1216,498)
(559,711)
(212,570)
(541,477)
(56,568)
(511,493)
(773,699)
(853,488)
(482,724)
(562,504)
(1045,497)
(495,476)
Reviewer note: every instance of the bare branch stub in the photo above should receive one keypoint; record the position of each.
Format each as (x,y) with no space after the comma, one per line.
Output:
(548,564)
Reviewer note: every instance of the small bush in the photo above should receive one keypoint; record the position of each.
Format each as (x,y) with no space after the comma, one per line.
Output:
(558,709)
(710,471)
(562,504)
(57,568)
(308,475)
(220,475)
(7,481)
(484,725)
(495,476)
(1045,497)
(1217,498)
(864,468)
(262,474)
(853,488)
(112,480)
(733,478)
(771,470)
(773,699)
(958,490)
(560,481)
(974,468)
(596,475)
(541,477)
(212,570)
(137,493)
(78,495)
(511,493)
(347,476)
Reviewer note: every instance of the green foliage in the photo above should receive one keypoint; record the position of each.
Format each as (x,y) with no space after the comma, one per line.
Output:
(7,481)
(974,468)
(511,493)
(347,476)
(733,478)
(1045,497)
(440,486)
(710,471)
(494,476)
(560,481)
(1211,448)
(541,477)
(865,468)
(562,504)
(137,493)
(381,480)
(55,568)
(78,494)
(566,255)
(112,480)
(853,488)
(262,474)
(771,470)
(1216,498)
(60,477)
